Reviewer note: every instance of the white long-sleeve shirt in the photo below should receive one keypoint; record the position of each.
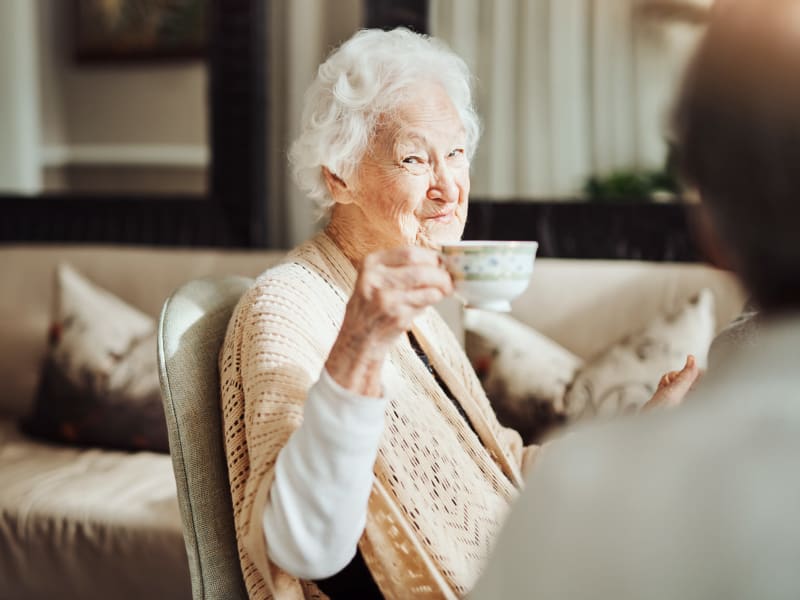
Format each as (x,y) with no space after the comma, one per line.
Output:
(317,505)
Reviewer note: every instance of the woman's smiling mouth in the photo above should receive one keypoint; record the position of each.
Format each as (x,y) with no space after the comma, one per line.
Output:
(443,217)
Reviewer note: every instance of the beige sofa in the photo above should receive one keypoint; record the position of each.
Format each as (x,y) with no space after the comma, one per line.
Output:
(78,523)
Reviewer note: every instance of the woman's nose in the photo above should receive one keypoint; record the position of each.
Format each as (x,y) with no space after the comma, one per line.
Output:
(443,184)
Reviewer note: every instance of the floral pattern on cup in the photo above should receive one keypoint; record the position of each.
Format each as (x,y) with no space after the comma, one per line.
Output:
(493,262)
(489,274)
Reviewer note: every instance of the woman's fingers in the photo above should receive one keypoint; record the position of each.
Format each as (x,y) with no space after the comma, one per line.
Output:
(404,269)
(418,276)
(423,297)
(393,286)
(673,387)
(404,256)
(669,378)
(666,379)
(684,379)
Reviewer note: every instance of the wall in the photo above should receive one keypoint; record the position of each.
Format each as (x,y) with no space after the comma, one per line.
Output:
(145,125)
(127,127)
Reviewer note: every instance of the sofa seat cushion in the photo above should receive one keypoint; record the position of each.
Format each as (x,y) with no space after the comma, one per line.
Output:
(87,523)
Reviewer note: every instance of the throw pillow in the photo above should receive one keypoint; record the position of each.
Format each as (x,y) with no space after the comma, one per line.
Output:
(524,373)
(99,385)
(742,332)
(626,375)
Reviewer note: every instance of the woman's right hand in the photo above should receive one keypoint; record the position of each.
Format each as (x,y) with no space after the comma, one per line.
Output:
(393,288)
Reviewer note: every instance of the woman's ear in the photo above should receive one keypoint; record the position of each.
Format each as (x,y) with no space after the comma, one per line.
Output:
(337,187)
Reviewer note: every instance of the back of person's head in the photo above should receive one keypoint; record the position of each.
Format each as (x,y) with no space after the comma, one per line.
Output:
(737,123)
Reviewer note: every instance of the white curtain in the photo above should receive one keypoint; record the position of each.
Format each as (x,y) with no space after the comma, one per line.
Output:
(301,34)
(19,98)
(566,89)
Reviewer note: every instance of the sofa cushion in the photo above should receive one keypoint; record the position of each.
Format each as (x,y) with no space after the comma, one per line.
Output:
(626,375)
(525,374)
(100,379)
(87,523)
(140,275)
(743,331)
(588,305)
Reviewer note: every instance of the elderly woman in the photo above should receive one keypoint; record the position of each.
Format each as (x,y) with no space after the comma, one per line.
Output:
(364,458)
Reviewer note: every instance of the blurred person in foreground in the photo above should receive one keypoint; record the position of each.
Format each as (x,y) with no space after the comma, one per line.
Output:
(365,460)
(700,502)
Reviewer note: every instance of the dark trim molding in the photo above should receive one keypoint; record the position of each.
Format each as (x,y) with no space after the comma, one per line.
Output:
(388,14)
(149,220)
(232,213)
(623,230)
(634,230)
(239,109)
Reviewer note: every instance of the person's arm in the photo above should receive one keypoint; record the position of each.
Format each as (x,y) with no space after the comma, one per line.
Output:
(323,476)
(317,503)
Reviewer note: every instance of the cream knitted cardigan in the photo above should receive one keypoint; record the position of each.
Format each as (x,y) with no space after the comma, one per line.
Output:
(440,492)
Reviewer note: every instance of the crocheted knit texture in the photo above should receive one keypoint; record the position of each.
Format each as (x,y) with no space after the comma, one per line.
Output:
(440,491)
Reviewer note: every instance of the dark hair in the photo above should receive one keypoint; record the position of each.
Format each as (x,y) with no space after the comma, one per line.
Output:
(737,131)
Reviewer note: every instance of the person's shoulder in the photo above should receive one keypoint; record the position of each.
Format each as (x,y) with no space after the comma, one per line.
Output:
(609,505)
(585,453)
(714,441)
(306,266)
(292,276)
(290,270)
(636,454)
(283,291)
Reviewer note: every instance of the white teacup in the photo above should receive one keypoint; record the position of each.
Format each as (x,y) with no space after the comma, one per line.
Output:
(490,274)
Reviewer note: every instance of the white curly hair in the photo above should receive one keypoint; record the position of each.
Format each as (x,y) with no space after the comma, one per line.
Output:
(366,77)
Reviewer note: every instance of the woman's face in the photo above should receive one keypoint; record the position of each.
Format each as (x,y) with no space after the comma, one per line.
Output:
(413,183)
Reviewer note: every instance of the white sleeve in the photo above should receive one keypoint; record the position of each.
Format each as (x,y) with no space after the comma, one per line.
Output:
(317,506)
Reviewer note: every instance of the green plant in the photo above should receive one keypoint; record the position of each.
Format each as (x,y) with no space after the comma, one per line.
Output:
(631,185)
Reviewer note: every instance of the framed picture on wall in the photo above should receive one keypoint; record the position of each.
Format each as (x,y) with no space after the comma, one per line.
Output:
(113,30)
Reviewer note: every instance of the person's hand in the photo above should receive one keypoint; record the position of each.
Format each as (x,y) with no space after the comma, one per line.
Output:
(674,386)
(393,288)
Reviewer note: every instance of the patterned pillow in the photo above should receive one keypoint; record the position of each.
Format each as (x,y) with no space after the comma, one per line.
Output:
(626,375)
(742,332)
(524,373)
(99,385)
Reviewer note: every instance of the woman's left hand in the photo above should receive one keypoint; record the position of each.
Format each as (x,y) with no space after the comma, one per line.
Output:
(674,386)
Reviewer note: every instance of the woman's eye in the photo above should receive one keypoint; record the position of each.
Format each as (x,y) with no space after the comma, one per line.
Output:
(412,160)
(456,152)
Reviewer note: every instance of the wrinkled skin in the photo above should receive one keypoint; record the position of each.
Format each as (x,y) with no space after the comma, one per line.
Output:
(408,196)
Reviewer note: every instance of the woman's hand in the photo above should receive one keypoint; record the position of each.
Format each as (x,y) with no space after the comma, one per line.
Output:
(393,288)
(674,386)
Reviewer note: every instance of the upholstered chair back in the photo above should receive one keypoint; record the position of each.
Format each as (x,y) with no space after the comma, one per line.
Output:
(191,331)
